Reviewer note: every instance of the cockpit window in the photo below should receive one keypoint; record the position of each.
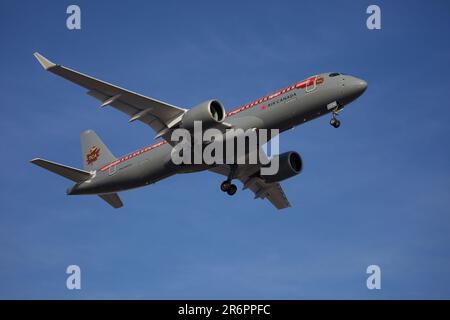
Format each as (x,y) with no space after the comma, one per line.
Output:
(334,74)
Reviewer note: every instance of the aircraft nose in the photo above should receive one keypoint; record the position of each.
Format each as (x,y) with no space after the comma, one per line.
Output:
(351,88)
(360,85)
(354,87)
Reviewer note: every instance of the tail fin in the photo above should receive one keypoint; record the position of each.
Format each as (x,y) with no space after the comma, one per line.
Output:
(73,174)
(95,153)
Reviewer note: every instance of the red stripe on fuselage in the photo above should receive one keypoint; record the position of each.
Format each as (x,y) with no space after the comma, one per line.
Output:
(298,85)
(133,155)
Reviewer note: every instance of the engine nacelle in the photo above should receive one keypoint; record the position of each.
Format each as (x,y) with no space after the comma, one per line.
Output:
(290,164)
(209,113)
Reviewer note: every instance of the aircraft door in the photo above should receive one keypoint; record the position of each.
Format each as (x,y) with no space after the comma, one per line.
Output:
(112,170)
(310,87)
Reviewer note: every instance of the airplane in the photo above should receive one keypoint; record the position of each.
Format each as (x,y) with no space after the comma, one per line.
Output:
(105,175)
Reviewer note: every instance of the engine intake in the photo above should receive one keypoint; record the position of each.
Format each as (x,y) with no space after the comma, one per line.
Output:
(290,164)
(209,113)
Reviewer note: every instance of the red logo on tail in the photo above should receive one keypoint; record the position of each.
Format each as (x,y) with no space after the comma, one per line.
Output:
(92,155)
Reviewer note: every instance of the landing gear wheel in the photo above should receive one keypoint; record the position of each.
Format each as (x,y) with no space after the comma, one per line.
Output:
(335,122)
(225,186)
(232,189)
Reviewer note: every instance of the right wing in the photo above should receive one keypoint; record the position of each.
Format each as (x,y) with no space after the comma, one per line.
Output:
(158,115)
(249,175)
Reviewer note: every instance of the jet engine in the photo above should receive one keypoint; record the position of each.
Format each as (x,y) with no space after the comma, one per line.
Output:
(289,164)
(209,113)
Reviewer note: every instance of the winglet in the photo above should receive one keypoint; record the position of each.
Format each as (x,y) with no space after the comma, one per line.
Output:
(45,63)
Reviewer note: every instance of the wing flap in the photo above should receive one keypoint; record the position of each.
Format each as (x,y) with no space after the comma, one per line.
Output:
(272,191)
(262,190)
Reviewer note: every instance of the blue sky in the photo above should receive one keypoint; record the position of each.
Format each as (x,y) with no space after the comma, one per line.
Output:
(375,191)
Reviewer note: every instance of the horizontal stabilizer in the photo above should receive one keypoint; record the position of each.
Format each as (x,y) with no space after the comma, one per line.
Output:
(113,199)
(70,173)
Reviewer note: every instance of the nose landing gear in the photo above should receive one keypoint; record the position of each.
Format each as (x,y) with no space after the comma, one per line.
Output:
(334,121)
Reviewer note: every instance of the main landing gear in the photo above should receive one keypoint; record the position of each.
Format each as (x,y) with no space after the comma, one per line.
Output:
(227,186)
(334,121)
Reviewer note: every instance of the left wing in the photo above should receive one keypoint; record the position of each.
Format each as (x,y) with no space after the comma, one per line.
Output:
(158,115)
(248,175)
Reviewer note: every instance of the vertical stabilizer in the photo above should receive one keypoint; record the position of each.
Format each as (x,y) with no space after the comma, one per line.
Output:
(95,153)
